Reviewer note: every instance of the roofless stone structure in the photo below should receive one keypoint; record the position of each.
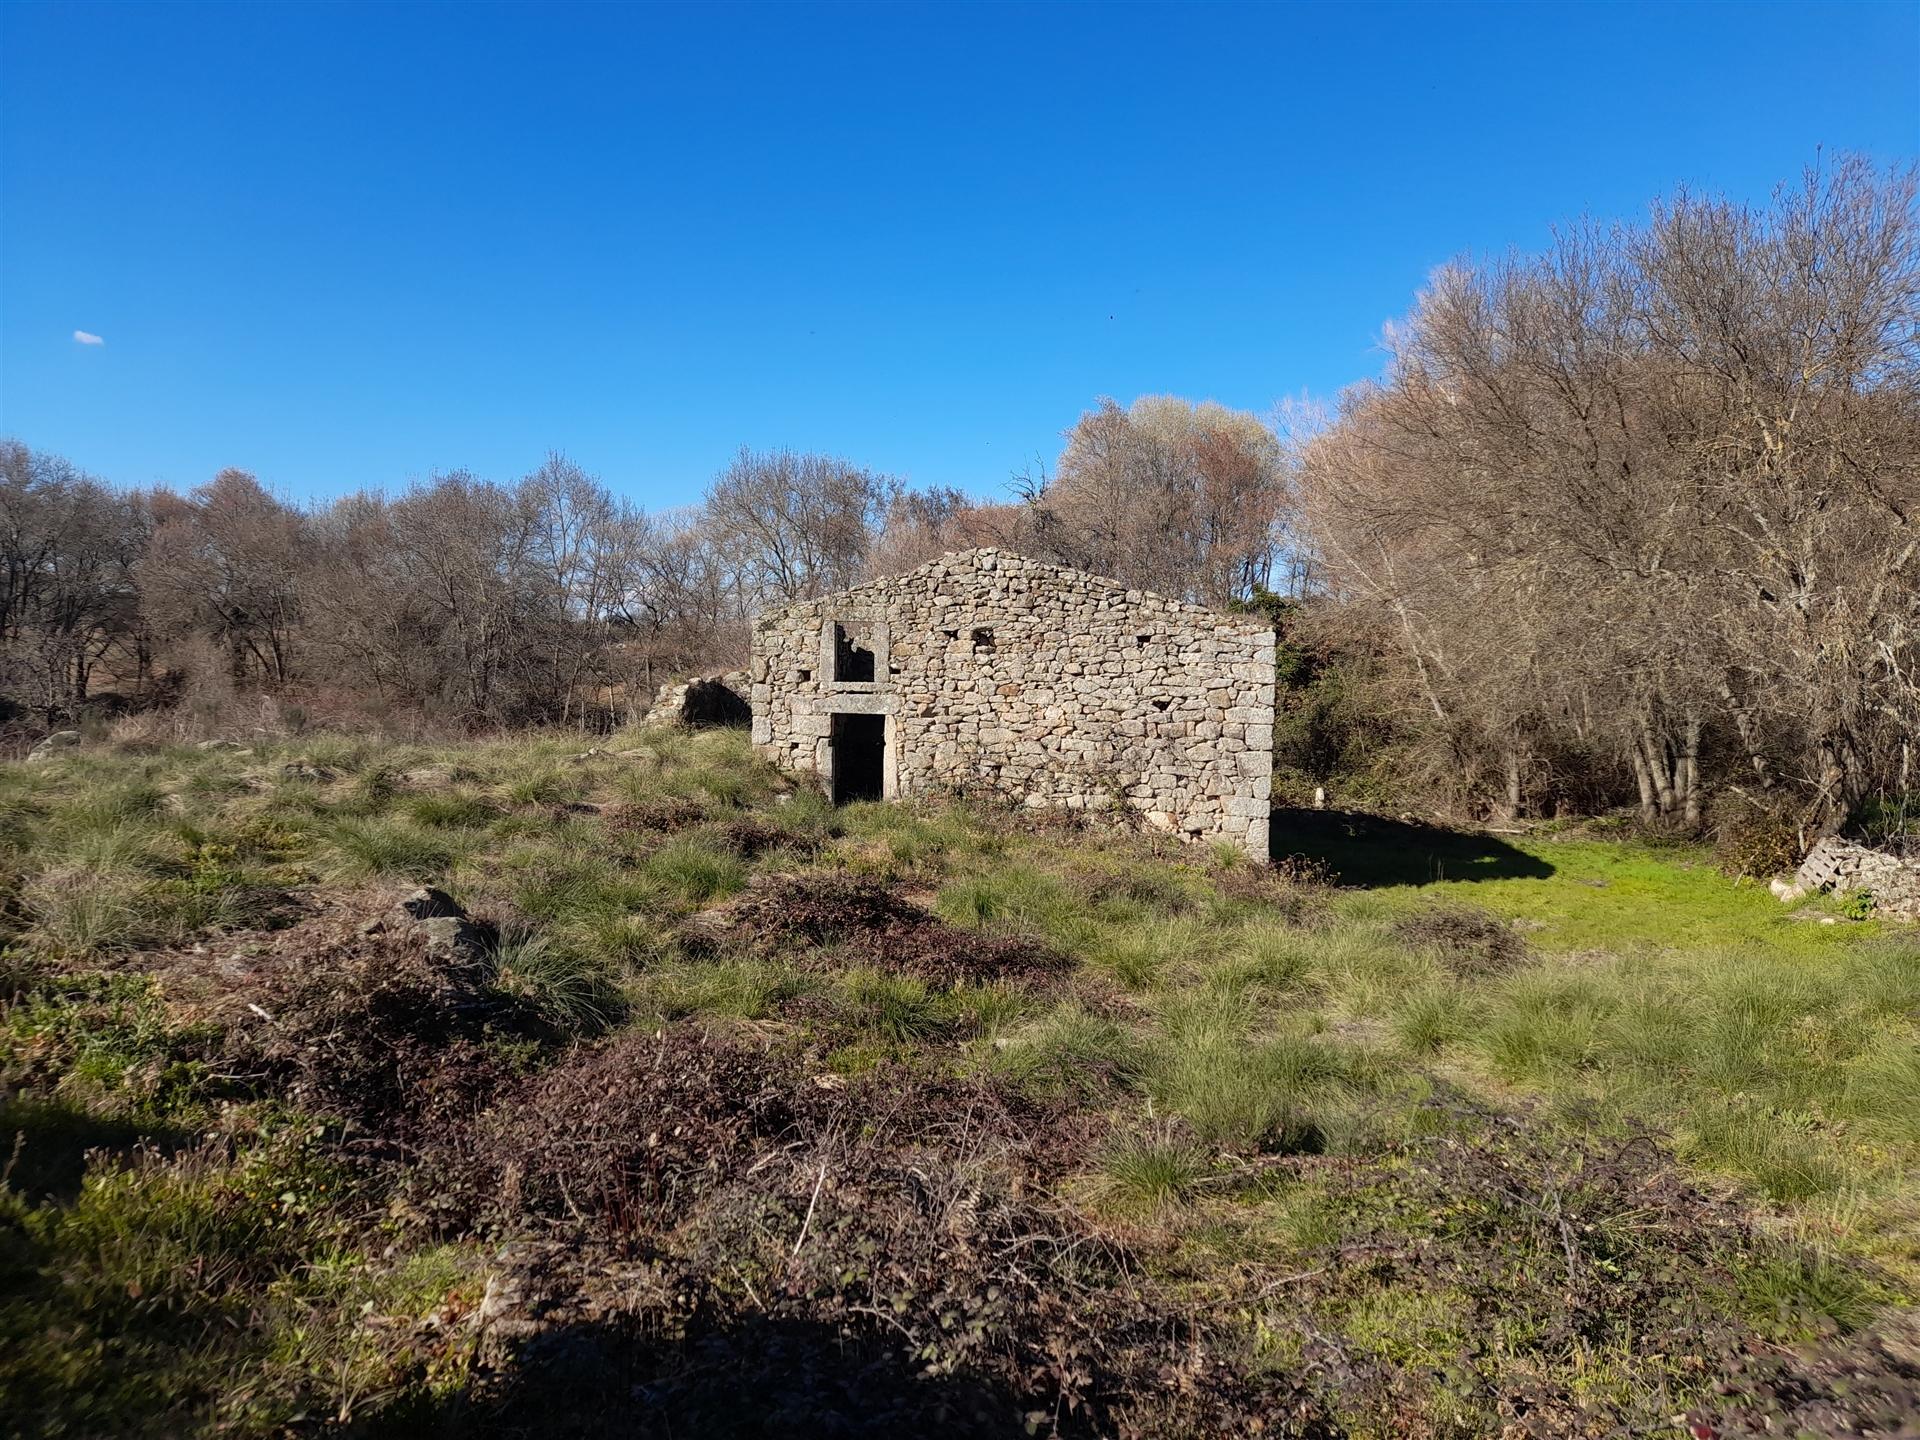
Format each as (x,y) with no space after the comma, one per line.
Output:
(1049,685)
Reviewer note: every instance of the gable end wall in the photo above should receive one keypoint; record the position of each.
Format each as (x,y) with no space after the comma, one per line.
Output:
(1091,696)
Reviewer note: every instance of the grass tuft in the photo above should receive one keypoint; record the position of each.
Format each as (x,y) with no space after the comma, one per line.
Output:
(1149,1175)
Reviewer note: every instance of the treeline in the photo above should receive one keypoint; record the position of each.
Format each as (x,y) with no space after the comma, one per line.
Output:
(549,599)
(1640,516)
(1630,522)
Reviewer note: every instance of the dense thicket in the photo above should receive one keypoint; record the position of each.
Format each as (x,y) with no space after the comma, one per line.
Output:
(1630,521)
(461,600)
(1643,512)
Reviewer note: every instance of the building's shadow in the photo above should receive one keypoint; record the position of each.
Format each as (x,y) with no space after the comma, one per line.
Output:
(759,1379)
(711,705)
(1374,852)
(47,1144)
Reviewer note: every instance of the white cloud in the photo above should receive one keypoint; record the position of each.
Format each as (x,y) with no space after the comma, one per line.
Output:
(87,338)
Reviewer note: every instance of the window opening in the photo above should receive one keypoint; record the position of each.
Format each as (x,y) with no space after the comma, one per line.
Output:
(852,659)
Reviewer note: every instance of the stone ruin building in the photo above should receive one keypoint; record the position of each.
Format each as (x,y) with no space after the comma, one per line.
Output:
(1056,688)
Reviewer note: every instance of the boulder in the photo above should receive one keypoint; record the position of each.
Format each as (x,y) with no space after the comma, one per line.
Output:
(54,746)
(437,916)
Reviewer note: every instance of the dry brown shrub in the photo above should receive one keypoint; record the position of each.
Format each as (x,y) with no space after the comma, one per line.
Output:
(1469,941)
(886,1267)
(641,818)
(1754,839)
(867,924)
(381,1032)
(625,1136)
(1865,1385)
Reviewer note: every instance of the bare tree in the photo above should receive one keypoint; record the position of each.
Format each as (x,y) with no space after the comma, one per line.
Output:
(795,525)
(226,563)
(1181,498)
(1654,490)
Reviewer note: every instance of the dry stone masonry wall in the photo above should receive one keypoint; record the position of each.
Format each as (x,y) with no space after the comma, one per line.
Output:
(1055,687)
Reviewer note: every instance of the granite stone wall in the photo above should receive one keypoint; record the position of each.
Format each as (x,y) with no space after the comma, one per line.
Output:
(1046,684)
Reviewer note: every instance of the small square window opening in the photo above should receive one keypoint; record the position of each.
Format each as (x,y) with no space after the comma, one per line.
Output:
(852,657)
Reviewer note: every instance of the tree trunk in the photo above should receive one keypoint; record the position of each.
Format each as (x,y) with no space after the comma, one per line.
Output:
(1749,732)
(1657,767)
(1642,778)
(1690,772)
(1516,791)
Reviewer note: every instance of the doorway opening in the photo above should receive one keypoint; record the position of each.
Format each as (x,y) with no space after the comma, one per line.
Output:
(859,757)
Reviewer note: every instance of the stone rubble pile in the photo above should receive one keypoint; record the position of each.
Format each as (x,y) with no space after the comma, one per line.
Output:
(705,700)
(1842,866)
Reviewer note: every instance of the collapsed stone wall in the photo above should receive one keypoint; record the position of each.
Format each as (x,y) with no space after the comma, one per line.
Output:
(1841,866)
(703,702)
(1052,686)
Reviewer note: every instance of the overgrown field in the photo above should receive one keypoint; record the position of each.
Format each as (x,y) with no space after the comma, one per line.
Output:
(727,1113)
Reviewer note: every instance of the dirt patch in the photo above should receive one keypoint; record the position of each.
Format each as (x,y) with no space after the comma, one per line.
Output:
(835,922)
(215,979)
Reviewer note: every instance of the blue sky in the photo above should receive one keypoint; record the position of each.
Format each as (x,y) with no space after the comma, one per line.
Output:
(349,245)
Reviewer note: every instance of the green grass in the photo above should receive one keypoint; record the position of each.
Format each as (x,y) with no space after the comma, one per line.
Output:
(1226,1034)
(389,847)
(576,991)
(1072,1053)
(1147,1175)
(1610,895)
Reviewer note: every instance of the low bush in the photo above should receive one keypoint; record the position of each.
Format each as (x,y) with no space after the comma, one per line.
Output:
(844,922)
(626,1135)
(1469,942)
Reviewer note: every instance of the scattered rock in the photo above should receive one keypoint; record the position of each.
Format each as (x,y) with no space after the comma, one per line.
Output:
(232,746)
(55,745)
(436,915)
(429,903)
(1786,891)
(1814,917)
